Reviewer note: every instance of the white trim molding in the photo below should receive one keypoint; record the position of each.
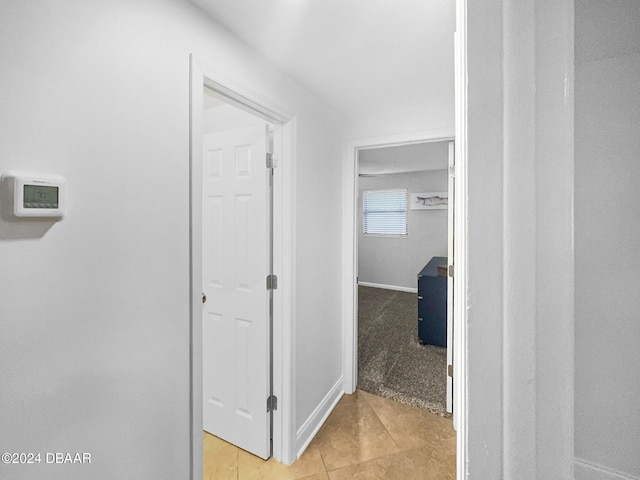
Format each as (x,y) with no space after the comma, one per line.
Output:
(314,422)
(350,238)
(460,248)
(388,287)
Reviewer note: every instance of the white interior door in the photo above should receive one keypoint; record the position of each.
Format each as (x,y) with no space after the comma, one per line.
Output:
(451,231)
(236,262)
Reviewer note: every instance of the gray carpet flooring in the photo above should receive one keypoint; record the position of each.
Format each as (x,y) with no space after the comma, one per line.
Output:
(391,361)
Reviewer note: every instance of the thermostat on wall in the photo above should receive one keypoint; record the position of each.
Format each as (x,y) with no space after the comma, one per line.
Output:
(37,195)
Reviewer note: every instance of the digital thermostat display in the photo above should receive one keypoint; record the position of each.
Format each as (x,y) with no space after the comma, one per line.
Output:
(40,196)
(36,195)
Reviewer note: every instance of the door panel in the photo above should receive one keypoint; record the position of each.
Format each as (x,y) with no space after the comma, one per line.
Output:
(235,318)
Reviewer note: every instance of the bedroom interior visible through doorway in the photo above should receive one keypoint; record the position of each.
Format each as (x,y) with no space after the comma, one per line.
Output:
(392,362)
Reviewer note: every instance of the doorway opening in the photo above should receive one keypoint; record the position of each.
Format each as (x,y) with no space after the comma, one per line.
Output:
(237,275)
(241,226)
(404,247)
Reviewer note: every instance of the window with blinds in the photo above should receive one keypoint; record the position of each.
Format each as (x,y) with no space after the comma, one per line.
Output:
(385,212)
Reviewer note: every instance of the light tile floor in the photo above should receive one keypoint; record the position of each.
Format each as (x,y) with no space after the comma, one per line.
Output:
(366,437)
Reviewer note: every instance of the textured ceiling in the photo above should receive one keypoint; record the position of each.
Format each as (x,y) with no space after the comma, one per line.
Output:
(357,55)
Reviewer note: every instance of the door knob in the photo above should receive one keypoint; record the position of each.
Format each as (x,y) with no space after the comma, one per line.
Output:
(204,298)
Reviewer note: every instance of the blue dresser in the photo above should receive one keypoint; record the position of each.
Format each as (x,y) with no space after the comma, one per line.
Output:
(432,303)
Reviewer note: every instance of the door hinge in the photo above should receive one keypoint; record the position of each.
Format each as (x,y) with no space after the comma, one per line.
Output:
(450,370)
(272,160)
(451,271)
(272,403)
(272,282)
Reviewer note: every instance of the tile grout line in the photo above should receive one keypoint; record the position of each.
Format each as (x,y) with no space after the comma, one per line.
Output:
(324,464)
(381,423)
(237,463)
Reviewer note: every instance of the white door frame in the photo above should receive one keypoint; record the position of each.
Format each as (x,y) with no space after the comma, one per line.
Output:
(460,244)
(283,432)
(451,179)
(350,238)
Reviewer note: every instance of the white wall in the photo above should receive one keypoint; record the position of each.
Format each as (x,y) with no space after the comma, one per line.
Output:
(318,266)
(396,261)
(431,111)
(607,228)
(95,309)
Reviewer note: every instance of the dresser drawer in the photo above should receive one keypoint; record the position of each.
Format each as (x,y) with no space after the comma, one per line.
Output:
(432,304)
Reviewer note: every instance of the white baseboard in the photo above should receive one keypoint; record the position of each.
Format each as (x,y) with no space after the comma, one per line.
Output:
(585,470)
(312,425)
(389,287)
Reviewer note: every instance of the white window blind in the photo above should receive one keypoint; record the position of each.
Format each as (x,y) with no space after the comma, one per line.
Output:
(385,212)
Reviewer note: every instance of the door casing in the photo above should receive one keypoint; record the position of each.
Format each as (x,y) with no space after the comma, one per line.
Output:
(283,432)
(350,239)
